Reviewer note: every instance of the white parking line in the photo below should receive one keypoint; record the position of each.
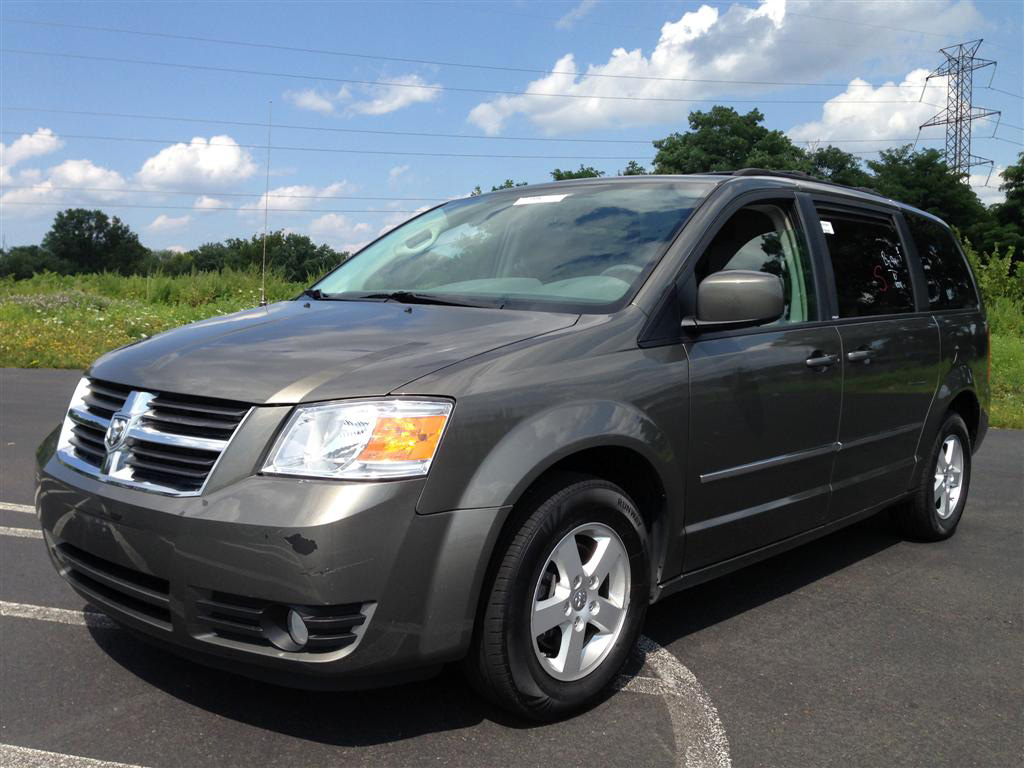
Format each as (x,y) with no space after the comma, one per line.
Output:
(28,509)
(25,533)
(86,618)
(23,757)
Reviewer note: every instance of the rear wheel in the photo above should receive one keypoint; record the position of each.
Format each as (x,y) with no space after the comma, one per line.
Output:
(934,512)
(567,601)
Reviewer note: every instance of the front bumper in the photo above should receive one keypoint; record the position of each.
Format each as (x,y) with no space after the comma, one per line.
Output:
(405,586)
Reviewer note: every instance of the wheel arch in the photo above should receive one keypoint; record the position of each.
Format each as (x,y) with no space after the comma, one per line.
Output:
(955,394)
(621,457)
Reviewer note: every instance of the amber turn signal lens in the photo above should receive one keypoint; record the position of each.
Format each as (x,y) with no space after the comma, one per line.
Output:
(404,438)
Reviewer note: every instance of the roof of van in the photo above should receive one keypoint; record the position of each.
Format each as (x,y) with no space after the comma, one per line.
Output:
(794,179)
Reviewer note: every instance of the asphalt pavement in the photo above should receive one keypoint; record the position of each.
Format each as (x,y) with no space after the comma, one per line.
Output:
(859,649)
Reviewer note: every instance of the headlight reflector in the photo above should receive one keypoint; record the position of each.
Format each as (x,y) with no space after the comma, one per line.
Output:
(360,439)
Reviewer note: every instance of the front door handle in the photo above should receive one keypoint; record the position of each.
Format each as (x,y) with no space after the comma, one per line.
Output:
(821,360)
(862,355)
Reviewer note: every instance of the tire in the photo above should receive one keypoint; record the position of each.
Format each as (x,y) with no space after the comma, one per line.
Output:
(930,514)
(508,664)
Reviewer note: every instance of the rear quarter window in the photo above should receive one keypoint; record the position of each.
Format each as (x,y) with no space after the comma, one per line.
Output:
(945,271)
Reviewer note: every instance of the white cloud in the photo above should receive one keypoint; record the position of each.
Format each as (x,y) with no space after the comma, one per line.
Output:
(165,223)
(397,171)
(217,161)
(774,42)
(176,248)
(78,181)
(207,203)
(297,196)
(885,114)
(575,14)
(42,142)
(392,94)
(988,193)
(341,232)
(385,98)
(311,100)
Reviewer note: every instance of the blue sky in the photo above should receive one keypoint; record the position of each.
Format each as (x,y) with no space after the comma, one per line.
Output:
(850,74)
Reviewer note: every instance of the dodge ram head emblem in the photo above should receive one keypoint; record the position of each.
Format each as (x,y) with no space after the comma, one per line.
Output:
(117,431)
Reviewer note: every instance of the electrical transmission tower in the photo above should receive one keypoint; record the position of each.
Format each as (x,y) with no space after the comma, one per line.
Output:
(959,113)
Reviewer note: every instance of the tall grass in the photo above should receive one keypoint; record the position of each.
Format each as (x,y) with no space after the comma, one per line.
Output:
(194,290)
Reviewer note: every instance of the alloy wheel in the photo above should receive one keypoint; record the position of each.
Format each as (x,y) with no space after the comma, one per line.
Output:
(949,471)
(580,602)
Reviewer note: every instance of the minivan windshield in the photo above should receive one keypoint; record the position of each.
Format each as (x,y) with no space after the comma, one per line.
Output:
(580,248)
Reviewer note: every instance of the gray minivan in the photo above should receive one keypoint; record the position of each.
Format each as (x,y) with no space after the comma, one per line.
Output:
(503,429)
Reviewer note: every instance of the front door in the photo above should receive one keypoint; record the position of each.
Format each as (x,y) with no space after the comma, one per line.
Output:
(764,403)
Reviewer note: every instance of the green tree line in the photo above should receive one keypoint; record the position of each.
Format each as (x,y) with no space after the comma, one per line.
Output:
(82,241)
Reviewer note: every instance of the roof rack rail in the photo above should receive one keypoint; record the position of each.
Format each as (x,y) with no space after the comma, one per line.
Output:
(798,175)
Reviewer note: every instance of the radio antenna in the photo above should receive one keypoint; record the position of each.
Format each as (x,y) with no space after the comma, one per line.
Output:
(266,210)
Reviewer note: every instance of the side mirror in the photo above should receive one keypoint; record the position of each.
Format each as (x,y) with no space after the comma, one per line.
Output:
(736,299)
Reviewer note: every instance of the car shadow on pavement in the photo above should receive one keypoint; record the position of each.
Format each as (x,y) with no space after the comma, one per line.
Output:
(446,702)
(733,594)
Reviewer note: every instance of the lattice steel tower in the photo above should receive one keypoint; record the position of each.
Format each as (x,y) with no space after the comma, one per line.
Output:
(959,113)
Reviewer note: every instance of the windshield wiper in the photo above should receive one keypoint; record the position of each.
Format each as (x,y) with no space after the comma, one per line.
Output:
(413,297)
(313,293)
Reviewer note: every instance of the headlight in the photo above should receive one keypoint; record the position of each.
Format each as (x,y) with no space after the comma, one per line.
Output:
(360,439)
(77,401)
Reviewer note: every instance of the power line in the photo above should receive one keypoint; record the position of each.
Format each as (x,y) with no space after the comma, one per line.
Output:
(375,132)
(438,88)
(618,26)
(325,129)
(218,193)
(438,63)
(873,26)
(115,204)
(337,150)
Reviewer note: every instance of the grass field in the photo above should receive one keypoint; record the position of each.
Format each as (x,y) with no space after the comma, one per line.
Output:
(53,321)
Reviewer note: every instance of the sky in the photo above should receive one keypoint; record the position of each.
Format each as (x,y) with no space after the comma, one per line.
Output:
(158,112)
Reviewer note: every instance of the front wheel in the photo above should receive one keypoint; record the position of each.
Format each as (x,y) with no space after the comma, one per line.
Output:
(567,601)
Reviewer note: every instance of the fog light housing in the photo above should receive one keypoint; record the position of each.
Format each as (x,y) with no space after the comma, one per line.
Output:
(285,628)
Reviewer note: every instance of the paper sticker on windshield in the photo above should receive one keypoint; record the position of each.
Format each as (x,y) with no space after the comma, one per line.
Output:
(541,199)
(826,227)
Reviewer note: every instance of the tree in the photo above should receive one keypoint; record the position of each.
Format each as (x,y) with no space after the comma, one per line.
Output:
(633,168)
(584,172)
(1007,230)
(833,164)
(922,179)
(509,184)
(23,261)
(724,140)
(295,256)
(89,241)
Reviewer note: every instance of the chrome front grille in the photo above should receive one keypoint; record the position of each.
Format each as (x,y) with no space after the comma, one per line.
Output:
(160,442)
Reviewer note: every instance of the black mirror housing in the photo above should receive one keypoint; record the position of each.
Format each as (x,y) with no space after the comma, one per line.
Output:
(738,298)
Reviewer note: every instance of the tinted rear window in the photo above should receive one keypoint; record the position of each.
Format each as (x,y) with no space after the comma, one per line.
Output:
(868,263)
(945,271)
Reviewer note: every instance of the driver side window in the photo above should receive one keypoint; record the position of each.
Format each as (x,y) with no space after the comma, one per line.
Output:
(764,237)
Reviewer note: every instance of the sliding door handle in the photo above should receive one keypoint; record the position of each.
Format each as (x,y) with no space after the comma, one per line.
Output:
(862,355)
(821,360)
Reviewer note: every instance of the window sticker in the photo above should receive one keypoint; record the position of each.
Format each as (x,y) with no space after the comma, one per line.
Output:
(826,227)
(541,199)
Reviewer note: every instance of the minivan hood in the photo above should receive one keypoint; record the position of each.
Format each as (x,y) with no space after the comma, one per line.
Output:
(296,351)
